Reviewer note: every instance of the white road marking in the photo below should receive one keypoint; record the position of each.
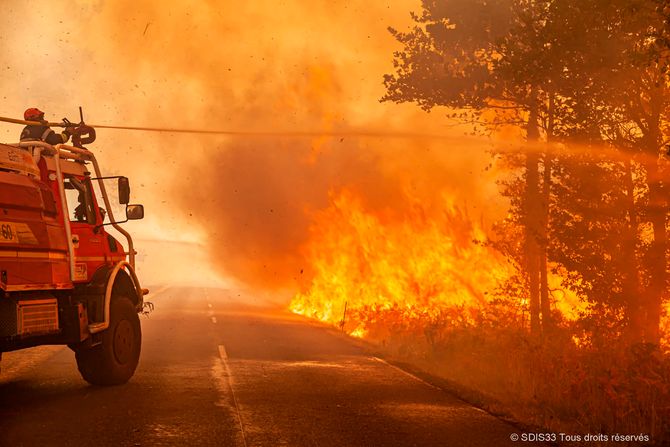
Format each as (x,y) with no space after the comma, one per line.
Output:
(214,320)
(223,355)
(209,305)
(406,373)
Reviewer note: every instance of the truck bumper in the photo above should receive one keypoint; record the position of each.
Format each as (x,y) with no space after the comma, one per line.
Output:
(38,321)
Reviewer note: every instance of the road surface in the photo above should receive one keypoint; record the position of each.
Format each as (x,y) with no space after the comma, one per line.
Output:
(217,372)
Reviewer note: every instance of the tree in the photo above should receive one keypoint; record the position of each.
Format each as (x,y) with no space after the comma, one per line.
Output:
(576,72)
(466,55)
(624,102)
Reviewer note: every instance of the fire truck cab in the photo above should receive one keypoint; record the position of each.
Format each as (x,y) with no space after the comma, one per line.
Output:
(64,280)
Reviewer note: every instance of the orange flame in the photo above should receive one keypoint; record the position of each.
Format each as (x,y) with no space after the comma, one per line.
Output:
(415,265)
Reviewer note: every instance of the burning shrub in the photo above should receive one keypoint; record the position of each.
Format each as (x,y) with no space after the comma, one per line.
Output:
(417,266)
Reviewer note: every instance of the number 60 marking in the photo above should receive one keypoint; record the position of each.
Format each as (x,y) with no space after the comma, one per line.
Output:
(7,232)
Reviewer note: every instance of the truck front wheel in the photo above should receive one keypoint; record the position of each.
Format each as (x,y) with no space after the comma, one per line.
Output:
(114,360)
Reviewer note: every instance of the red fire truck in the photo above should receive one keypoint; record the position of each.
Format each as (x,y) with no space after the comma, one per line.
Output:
(64,279)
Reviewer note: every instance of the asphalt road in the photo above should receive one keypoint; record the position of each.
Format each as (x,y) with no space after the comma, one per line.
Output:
(214,371)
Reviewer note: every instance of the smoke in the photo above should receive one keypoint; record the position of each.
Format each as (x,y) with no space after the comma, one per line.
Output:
(264,66)
(256,197)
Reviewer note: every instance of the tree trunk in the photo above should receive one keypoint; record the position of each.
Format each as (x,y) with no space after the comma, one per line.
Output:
(657,213)
(532,223)
(545,304)
(629,264)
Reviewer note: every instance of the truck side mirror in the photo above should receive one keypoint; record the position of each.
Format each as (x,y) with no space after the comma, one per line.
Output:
(134,212)
(124,191)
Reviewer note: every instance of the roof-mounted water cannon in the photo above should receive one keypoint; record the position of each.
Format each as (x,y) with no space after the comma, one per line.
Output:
(81,133)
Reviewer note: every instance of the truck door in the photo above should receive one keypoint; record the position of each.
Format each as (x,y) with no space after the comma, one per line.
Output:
(89,242)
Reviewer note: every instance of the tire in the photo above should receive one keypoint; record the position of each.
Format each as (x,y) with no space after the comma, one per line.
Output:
(113,362)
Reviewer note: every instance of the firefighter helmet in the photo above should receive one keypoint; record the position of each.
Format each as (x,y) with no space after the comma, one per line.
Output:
(33,114)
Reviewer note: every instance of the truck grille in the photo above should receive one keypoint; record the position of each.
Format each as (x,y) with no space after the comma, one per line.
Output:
(37,317)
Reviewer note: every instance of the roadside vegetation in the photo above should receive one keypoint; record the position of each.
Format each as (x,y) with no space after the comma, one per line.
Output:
(559,312)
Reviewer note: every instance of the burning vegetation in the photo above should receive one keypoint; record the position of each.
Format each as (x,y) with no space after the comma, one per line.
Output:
(413,267)
(527,261)
(535,274)
(583,252)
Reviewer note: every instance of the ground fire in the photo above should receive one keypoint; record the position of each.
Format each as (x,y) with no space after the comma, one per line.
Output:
(416,265)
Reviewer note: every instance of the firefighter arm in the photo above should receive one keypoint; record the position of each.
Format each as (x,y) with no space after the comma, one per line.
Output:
(53,138)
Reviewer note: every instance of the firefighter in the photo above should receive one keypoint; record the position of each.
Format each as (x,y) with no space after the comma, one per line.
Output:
(42,132)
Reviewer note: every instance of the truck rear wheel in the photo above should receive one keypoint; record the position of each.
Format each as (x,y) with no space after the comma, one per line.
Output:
(113,362)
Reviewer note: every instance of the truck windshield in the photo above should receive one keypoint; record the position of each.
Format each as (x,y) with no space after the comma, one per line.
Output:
(79,200)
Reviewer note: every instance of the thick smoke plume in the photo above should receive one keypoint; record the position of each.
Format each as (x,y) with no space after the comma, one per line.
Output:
(263,65)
